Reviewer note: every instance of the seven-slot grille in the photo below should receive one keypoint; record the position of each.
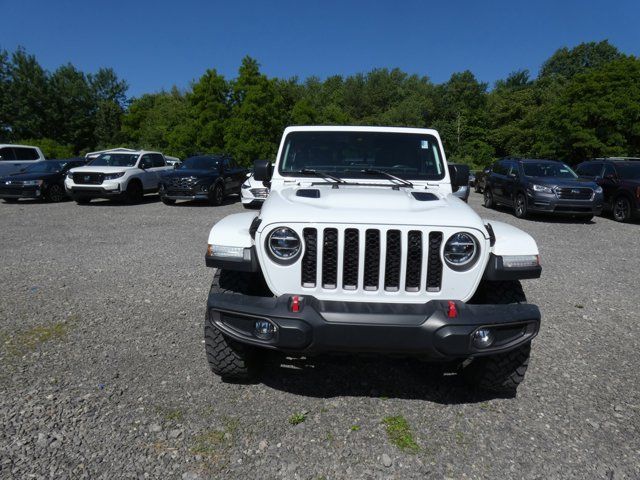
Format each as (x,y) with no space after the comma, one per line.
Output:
(372,259)
(574,193)
(181,183)
(88,178)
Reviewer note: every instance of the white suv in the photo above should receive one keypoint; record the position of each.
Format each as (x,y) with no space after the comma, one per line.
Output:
(362,247)
(15,157)
(117,174)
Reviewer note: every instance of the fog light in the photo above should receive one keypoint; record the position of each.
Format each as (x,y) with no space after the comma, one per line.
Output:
(482,338)
(264,329)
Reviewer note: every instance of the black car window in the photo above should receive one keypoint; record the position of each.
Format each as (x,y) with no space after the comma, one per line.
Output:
(609,171)
(590,169)
(513,169)
(145,161)
(548,169)
(502,167)
(26,153)
(629,171)
(200,163)
(47,166)
(157,160)
(6,153)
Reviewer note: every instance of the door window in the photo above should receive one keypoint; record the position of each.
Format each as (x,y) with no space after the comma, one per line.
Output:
(157,160)
(589,169)
(609,171)
(6,153)
(26,153)
(145,161)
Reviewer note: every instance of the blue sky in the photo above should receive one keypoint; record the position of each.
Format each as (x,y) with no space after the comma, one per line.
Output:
(157,44)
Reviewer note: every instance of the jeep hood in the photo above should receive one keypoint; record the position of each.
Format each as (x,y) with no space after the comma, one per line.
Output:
(367,205)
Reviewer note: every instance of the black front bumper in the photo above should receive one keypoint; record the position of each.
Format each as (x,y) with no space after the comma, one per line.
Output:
(550,203)
(93,192)
(20,192)
(420,330)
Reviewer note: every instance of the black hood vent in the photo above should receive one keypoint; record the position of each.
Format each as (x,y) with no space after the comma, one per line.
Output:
(308,193)
(424,196)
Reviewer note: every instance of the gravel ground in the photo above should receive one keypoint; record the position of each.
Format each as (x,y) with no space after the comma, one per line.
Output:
(103,373)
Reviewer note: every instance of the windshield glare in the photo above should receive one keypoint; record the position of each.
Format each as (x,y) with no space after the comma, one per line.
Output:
(115,160)
(548,169)
(629,172)
(346,154)
(48,166)
(200,163)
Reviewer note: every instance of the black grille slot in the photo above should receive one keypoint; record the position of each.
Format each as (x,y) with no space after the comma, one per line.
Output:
(351,256)
(392,261)
(574,193)
(330,258)
(371,259)
(414,261)
(310,258)
(88,178)
(434,265)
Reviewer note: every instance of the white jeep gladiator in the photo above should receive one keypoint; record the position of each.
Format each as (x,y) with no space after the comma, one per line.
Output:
(120,173)
(361,247)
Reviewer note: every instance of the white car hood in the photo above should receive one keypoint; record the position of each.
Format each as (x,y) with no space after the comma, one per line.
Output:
(100,169)
(367,205)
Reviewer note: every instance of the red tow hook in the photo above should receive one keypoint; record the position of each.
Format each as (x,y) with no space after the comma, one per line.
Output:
(452,311)
(295,304)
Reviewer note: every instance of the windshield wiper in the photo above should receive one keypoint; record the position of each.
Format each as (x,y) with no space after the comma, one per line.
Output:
(322,174)
(373,171)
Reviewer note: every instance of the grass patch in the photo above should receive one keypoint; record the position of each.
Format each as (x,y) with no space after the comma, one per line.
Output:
(210,443)
(171,414)
(355,428)
(297,418)
(577,305)
(25,341)
(399,433)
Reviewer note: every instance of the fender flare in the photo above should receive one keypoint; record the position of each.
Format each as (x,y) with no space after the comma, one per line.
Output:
(233,231)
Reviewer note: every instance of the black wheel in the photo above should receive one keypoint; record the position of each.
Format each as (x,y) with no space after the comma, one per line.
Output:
(168,201)
(82,200)
(502,372)
(134,193)
(216,195)
(232,360)
(10,200)
(520,206)
(621,209)
(55,193)
(488,198)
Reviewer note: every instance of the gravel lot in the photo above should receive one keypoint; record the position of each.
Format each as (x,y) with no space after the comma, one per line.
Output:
(103,373)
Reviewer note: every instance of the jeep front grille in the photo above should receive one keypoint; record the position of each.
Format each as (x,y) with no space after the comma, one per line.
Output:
(371,255)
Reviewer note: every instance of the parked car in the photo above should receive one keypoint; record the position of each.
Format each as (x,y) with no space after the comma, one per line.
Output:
(620,180)
(205,177)
(462,191)
(253,193)
(481,179)
(545,186)
(118,175)
(15,157)
(173,161)
(43,180)
(472,179)
(360,247)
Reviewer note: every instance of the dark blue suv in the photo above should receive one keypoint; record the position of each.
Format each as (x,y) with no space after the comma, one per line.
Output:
(548,186)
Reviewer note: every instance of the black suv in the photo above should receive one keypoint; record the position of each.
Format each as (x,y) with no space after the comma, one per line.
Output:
(44,180)
(204,177)
(530,185)
(620,180)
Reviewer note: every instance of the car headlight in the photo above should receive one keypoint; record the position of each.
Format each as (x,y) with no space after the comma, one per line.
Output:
(70,175)
(32,183)
(598,189)
(541,188)
(113,176)
(461,251)
(283,245)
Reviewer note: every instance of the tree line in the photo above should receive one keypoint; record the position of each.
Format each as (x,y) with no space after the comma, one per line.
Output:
(584,102)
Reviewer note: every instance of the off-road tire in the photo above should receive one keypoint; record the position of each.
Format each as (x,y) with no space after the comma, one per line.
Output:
(232,360)
(168,201)
(502,372)
(488,198)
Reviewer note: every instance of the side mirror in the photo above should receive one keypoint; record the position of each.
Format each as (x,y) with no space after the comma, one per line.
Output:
(459,174)
(262,170)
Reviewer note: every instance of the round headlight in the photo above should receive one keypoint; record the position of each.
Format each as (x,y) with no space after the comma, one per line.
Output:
(461,251)
(284,245)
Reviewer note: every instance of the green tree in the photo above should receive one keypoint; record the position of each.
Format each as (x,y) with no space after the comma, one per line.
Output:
(569,62)
(209,105)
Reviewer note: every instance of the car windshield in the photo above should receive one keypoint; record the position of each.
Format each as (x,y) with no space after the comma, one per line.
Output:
(200,163)
(548,169)
(629,171)
(115,160)
(48,166)
(349,154)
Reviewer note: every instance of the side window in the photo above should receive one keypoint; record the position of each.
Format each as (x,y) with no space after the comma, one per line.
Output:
(6,153)
(589,169)
(158,160)
(513,168)
(226,164)
(146,162)
(26,153)
(502,167)
(609,171)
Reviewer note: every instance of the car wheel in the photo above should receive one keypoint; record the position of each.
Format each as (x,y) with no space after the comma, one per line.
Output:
(10,200)
(477,189)
(55,193)
(520,206)
(216,196)
(502,372)
(82,200)
(168,201)
(621,209)
(488,198)
(134,193)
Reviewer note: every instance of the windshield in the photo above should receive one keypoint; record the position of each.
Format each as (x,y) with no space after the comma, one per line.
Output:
(48,166)
(629,171)
(200,163)
(548,169)
(115,160)
(348,154)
